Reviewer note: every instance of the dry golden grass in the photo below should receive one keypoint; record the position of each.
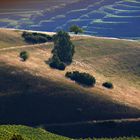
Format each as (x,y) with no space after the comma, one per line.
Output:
(123,92)
(9,38)
(36,65)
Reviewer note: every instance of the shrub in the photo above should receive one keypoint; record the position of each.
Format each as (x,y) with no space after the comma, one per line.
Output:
(63,47)
(108,85)
(16,137)
(81,78)
(76,29)
(56,63)
(36,37)
(24,55)
(68,74)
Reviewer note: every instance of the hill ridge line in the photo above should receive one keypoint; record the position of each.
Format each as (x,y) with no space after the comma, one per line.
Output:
(71,34)
(96,121)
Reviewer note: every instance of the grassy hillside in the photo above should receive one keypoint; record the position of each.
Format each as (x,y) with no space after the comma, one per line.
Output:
(112,60)
(10,38)
(31,93)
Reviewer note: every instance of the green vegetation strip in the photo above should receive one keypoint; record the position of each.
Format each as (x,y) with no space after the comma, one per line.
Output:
(28,133)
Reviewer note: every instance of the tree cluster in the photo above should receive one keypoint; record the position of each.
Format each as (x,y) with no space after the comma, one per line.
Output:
(36,38)
(63,51)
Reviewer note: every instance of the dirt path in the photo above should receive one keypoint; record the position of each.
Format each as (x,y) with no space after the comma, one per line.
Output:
(25,46)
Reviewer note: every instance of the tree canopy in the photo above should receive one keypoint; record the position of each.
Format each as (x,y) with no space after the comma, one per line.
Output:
(36,37)
(81,78)
(24,55)
(76,29)
(63,47)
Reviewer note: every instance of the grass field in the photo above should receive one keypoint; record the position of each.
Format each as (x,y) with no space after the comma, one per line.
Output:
(33,94)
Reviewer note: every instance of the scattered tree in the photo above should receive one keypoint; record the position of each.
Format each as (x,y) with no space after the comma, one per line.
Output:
(81,78)
(108,85)
(16,137)
(63,47)
(76,29)
(24,55)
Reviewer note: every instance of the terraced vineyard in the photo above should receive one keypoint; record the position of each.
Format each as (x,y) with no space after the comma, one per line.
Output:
(111,18)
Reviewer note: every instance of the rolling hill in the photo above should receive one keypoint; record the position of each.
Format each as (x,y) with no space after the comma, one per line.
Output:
(31,93)
(10,39)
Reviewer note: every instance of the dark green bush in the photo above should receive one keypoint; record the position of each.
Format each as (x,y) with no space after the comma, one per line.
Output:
(108,85)
(16,137)
(24,55)
(81,78)
(56,63)
(36,37)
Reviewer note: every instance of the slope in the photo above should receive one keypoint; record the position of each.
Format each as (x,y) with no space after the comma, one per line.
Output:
(10,38)
(32,93)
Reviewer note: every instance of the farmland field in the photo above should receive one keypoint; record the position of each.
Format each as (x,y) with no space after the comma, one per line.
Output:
(111,18)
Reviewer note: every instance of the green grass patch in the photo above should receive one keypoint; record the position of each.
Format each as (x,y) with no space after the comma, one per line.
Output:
(28,133)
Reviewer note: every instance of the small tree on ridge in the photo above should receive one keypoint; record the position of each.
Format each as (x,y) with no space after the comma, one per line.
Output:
(76,29)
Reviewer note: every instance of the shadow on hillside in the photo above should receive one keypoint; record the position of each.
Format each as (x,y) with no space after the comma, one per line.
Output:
(97,129)
(34,101)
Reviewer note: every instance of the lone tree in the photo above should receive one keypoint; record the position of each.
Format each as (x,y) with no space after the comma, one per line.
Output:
(24,55)
(63,47)
(76,29)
